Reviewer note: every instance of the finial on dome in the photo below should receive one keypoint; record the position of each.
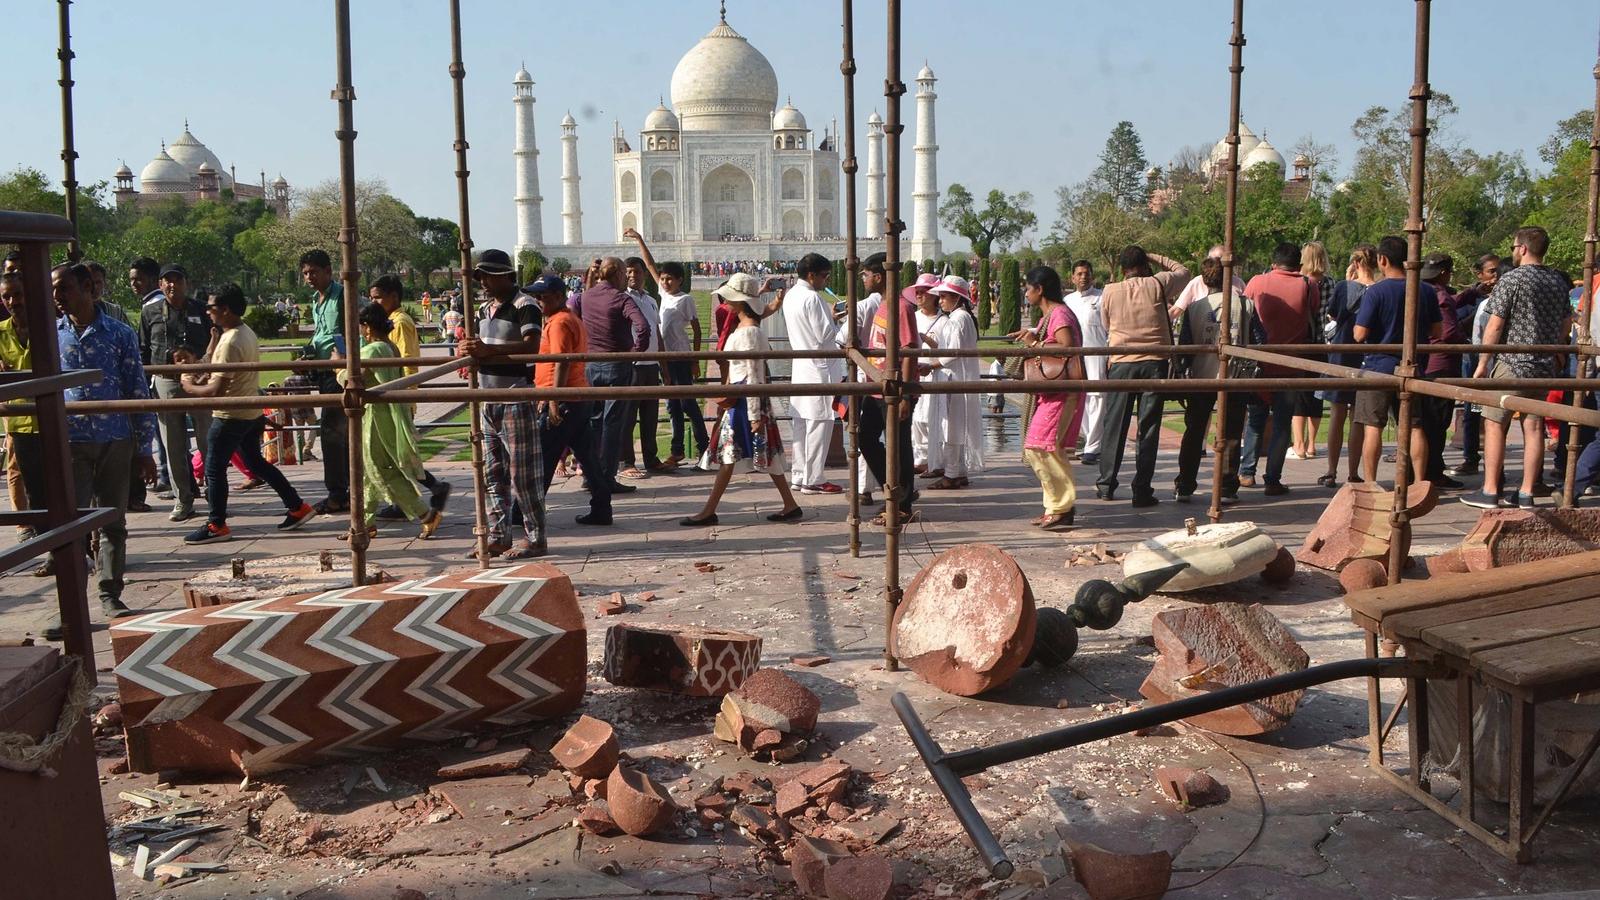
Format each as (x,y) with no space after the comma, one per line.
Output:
(185,123)
(724,12)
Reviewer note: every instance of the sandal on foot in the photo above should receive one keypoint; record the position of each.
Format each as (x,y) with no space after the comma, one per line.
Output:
(430,523)
(788,515)
(945,483)
(693,522)
(1329,481)
(525,551)
(1058,520)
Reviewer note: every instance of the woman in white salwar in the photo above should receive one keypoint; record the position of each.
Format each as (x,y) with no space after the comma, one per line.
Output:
(962,437)
(927,419)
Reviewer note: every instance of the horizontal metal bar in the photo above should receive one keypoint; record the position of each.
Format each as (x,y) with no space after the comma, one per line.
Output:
(60,536)
(22,383)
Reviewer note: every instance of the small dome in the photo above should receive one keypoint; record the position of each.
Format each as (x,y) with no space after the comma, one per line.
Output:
(188,152)
(568,121)
(874,119)
(1263,154)
(1302,161)
(660,119)
(724,84)
(1247,144)
(926,74)
(522,76)
(280,182)
(205,169)
(124,172)
(788,119)
(163,175)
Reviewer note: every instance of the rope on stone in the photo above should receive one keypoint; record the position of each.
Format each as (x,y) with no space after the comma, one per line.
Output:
(21,753)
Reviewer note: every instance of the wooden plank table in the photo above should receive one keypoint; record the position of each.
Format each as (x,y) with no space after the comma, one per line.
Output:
(1530,631)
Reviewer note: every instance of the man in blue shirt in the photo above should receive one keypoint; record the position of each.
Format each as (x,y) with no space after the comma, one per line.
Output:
(105,447)
(1382,321)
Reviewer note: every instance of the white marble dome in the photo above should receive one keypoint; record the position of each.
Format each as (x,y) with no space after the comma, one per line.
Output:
(124,172)
(1263,154)
(163,175)
(660,119)
(724,84)
(188,152)
(522,76)
(1247,144)
(788,119)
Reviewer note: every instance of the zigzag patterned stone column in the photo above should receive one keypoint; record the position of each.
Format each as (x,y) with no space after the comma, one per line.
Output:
(311,678)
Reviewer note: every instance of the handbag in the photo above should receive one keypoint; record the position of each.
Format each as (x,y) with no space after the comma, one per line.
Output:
(1013,367)
(1043,368)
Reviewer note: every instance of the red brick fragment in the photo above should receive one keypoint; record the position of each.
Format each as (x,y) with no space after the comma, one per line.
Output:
(860,878)
(810,662)
(589,748)
(967,621)
(1190,787)
(1362,574)
(496,764)
(637,804)
(1120,876)
(745,783)
(838,812)
(792,799)
(809,860)
(1205,648)
(613,605)
(1280,569)
(647,597)
(596,819)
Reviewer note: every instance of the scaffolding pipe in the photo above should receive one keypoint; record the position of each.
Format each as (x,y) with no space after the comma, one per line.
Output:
(1399,518)
(354,409)
(69,150)
(1591,235)
(894,398)
(852,268)
(458,75)
(1229,220)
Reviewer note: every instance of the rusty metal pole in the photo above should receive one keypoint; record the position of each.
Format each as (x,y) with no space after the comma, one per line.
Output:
(1399,520)
(69,152)
(1591,236)
(852,268)
(345,94)
(458,75)
(893,386)
(1219,466)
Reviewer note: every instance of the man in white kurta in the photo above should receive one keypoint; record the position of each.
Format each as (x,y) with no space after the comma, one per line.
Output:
(808,318)
(1084,303)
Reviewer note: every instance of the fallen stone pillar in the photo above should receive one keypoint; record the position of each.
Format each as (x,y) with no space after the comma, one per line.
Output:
(1205,648)
(1217,553)
(1356,524)
(1506,537)
(966,623)
(699,662)
(310,678)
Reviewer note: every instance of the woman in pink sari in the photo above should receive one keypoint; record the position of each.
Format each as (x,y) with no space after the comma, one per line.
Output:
(1053,430)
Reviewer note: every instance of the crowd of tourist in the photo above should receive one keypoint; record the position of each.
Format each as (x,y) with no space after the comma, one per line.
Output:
(184,454)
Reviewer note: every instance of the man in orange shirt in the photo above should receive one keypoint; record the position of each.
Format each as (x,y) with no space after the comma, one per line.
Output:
(564,425)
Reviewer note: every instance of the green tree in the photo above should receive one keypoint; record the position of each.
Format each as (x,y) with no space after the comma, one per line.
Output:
(985,308)
(438,246)
(387,229)
(960,266)
(561,265)
(532,263)
(1001,223)
(929,265)
(1094,226)
(1120,174)
(1010,295)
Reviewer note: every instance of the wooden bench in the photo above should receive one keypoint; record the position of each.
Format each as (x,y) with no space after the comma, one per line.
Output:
(1530,631)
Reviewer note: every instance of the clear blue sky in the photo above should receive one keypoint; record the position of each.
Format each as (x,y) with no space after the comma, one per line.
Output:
(1028,89)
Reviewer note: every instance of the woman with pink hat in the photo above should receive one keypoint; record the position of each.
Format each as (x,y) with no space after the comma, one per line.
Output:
(927,423)
(962,435)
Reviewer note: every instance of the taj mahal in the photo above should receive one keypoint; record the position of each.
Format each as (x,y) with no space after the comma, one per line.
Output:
(725,173)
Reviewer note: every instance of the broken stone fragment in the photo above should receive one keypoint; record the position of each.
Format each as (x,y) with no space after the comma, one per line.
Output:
(596,819)
(589,748)
(1505,537)
(594,788)
(698,662)
(860,878)
(1190,787)
(1355,524)
(1206,648)
(792,799)
(613,605)
(495,764)
(1120,876)
(809,860)
(967,620)
(745,783)
(766,740)
(1450,562)
(810,662)
(1280,569)
(758,823)
(1217,553)
(1362,574)
(637,804)
(769,700)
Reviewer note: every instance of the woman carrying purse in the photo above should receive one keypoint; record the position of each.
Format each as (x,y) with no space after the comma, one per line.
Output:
(1053,430)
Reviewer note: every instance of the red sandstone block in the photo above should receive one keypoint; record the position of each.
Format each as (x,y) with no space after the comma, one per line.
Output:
(638,805)
(1355,524)
(809,860)
(700,662)
(860,878)
(497,764)
(769,700)
(1506,537)
(1224,645)
(589,749)
(1362,574)
(967,621)
(596,819)
(1121,876)
(303,679)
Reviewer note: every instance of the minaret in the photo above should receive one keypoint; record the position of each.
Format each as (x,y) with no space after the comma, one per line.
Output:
(925,186)
(874,223)
(571,208)
(530,230)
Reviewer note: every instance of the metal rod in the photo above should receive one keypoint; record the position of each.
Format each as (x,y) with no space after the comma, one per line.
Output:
(69,151)
(852,268)
(458,75)
(1591,236)
(345,94)
(955,793)
(1219,466)
(1399,518)
(894,399)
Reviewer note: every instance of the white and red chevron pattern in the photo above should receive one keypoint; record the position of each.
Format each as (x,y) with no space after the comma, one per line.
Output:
(311,677)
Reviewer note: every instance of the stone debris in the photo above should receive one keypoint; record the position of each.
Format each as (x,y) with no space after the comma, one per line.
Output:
(1224,645)
(698,662)
(494,764)
(1355,524)
(239,580)
(637,803)
(1450,562)
(1280,569)
(613,605)
(809,860)
(1120,876)
(596,819)
(1217,553)
(810,662)
(768,701)
(1506,537)
(1190,788)
(1093,555)
(589,749)
(967,620)
(1363,574)
(860,878)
